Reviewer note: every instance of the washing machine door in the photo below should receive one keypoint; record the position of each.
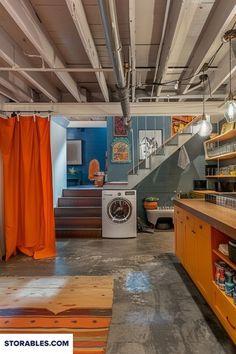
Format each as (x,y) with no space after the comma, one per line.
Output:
(119,210)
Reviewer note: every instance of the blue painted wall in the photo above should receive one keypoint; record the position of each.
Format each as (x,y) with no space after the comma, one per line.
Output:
(94,146)
(119,171)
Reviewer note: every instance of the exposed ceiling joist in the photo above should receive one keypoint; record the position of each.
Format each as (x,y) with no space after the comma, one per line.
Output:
(21,95)
(13,55)
(79,17)
(179,21)
(218,78)
(219,18)
(112,109)
(161,42)
(24,15)
(8,94)
(132,45)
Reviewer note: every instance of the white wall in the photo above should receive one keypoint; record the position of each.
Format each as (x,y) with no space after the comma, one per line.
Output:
(58,149)
(2,252)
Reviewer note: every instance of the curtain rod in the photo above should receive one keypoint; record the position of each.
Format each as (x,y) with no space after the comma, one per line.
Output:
(17,112)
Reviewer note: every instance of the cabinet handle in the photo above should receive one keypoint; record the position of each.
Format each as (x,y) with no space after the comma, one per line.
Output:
(177,211)
(230,323)
(187,217)
(200,227)
(181,222)
(193,231)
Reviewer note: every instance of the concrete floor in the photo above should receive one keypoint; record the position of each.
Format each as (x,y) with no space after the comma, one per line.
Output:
(157,309)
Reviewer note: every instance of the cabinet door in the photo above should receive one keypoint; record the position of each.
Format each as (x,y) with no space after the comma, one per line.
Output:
(190,245)
(179,239)
(203,259)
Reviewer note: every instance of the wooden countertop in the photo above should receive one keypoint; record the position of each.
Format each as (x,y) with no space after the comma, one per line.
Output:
(221,218)
(204,191)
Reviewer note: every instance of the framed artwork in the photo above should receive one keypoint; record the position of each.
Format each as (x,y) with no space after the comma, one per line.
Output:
(179,122)
(73,172)
(120,150)
(119,127)
(74,152)
(227,127)
(149,141)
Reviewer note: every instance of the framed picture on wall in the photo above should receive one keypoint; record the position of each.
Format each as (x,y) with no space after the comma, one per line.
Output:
(121,151)
(227,127)
(149,141)
(179,122)
(74,152)
(119,127)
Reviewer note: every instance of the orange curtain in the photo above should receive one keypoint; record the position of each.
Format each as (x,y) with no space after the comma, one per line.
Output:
(28,197)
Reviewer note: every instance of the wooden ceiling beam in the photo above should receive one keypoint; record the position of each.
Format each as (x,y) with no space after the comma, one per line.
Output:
(210,38)
(80,20)
(24,16)
(13,56)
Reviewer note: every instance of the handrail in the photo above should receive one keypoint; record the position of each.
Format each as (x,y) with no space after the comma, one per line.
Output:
(193,121)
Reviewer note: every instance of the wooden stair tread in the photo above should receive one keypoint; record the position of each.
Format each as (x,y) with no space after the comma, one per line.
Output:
(78,228)
(79,207)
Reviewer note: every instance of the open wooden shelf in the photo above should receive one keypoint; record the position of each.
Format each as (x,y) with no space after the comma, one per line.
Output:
(226,156)
(224,258)
(221,137)
(230,299)
(220,176)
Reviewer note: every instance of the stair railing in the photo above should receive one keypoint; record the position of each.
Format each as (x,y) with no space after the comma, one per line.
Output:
(146,162)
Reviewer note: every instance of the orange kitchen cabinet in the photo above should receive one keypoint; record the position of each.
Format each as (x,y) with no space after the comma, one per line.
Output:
(193,248)
(203,275)
(179,234)
(190,245)
(225,311)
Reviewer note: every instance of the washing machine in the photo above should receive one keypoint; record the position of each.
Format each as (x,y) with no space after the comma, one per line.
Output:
(119,214)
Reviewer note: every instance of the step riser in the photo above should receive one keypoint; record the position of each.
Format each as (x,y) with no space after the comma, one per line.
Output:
(92,201)
(82,193)
(78,233)
(70,222)
(88,212)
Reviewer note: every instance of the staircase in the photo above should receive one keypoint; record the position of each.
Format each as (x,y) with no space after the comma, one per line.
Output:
(153,161)
(79,214)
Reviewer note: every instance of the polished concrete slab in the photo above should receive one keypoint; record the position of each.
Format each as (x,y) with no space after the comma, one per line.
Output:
(157,309)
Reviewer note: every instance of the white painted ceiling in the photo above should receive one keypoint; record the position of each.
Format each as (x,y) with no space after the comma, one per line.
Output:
(163,54)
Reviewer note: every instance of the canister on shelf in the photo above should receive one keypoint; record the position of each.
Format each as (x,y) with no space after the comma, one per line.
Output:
(229,275)
(220,274)
(229,288)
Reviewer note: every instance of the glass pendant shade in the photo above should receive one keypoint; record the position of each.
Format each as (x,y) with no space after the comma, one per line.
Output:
(205,128)
(230,111)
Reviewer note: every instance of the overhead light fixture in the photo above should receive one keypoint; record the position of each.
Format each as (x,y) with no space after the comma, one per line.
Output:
(230,104)
(176,85)
(204,126)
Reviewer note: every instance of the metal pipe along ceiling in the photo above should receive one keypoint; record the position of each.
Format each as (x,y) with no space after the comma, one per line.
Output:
(110,25)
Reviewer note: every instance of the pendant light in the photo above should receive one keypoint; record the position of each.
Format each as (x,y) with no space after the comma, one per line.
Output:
(204,126)
(230,105)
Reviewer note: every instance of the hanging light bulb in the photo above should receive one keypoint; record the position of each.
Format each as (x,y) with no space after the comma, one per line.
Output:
(230,104)
(176,85)
(204,126)
(230,110)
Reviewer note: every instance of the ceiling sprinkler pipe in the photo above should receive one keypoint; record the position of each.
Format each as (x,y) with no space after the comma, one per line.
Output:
(110,26)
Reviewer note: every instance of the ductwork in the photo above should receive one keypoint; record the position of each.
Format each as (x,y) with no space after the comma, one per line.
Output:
(110,25)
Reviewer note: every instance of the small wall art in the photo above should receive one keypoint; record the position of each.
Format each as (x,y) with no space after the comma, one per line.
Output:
(119,127)
(227,127)
(149,141)
(74,152)
(120,148)
(179,122)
